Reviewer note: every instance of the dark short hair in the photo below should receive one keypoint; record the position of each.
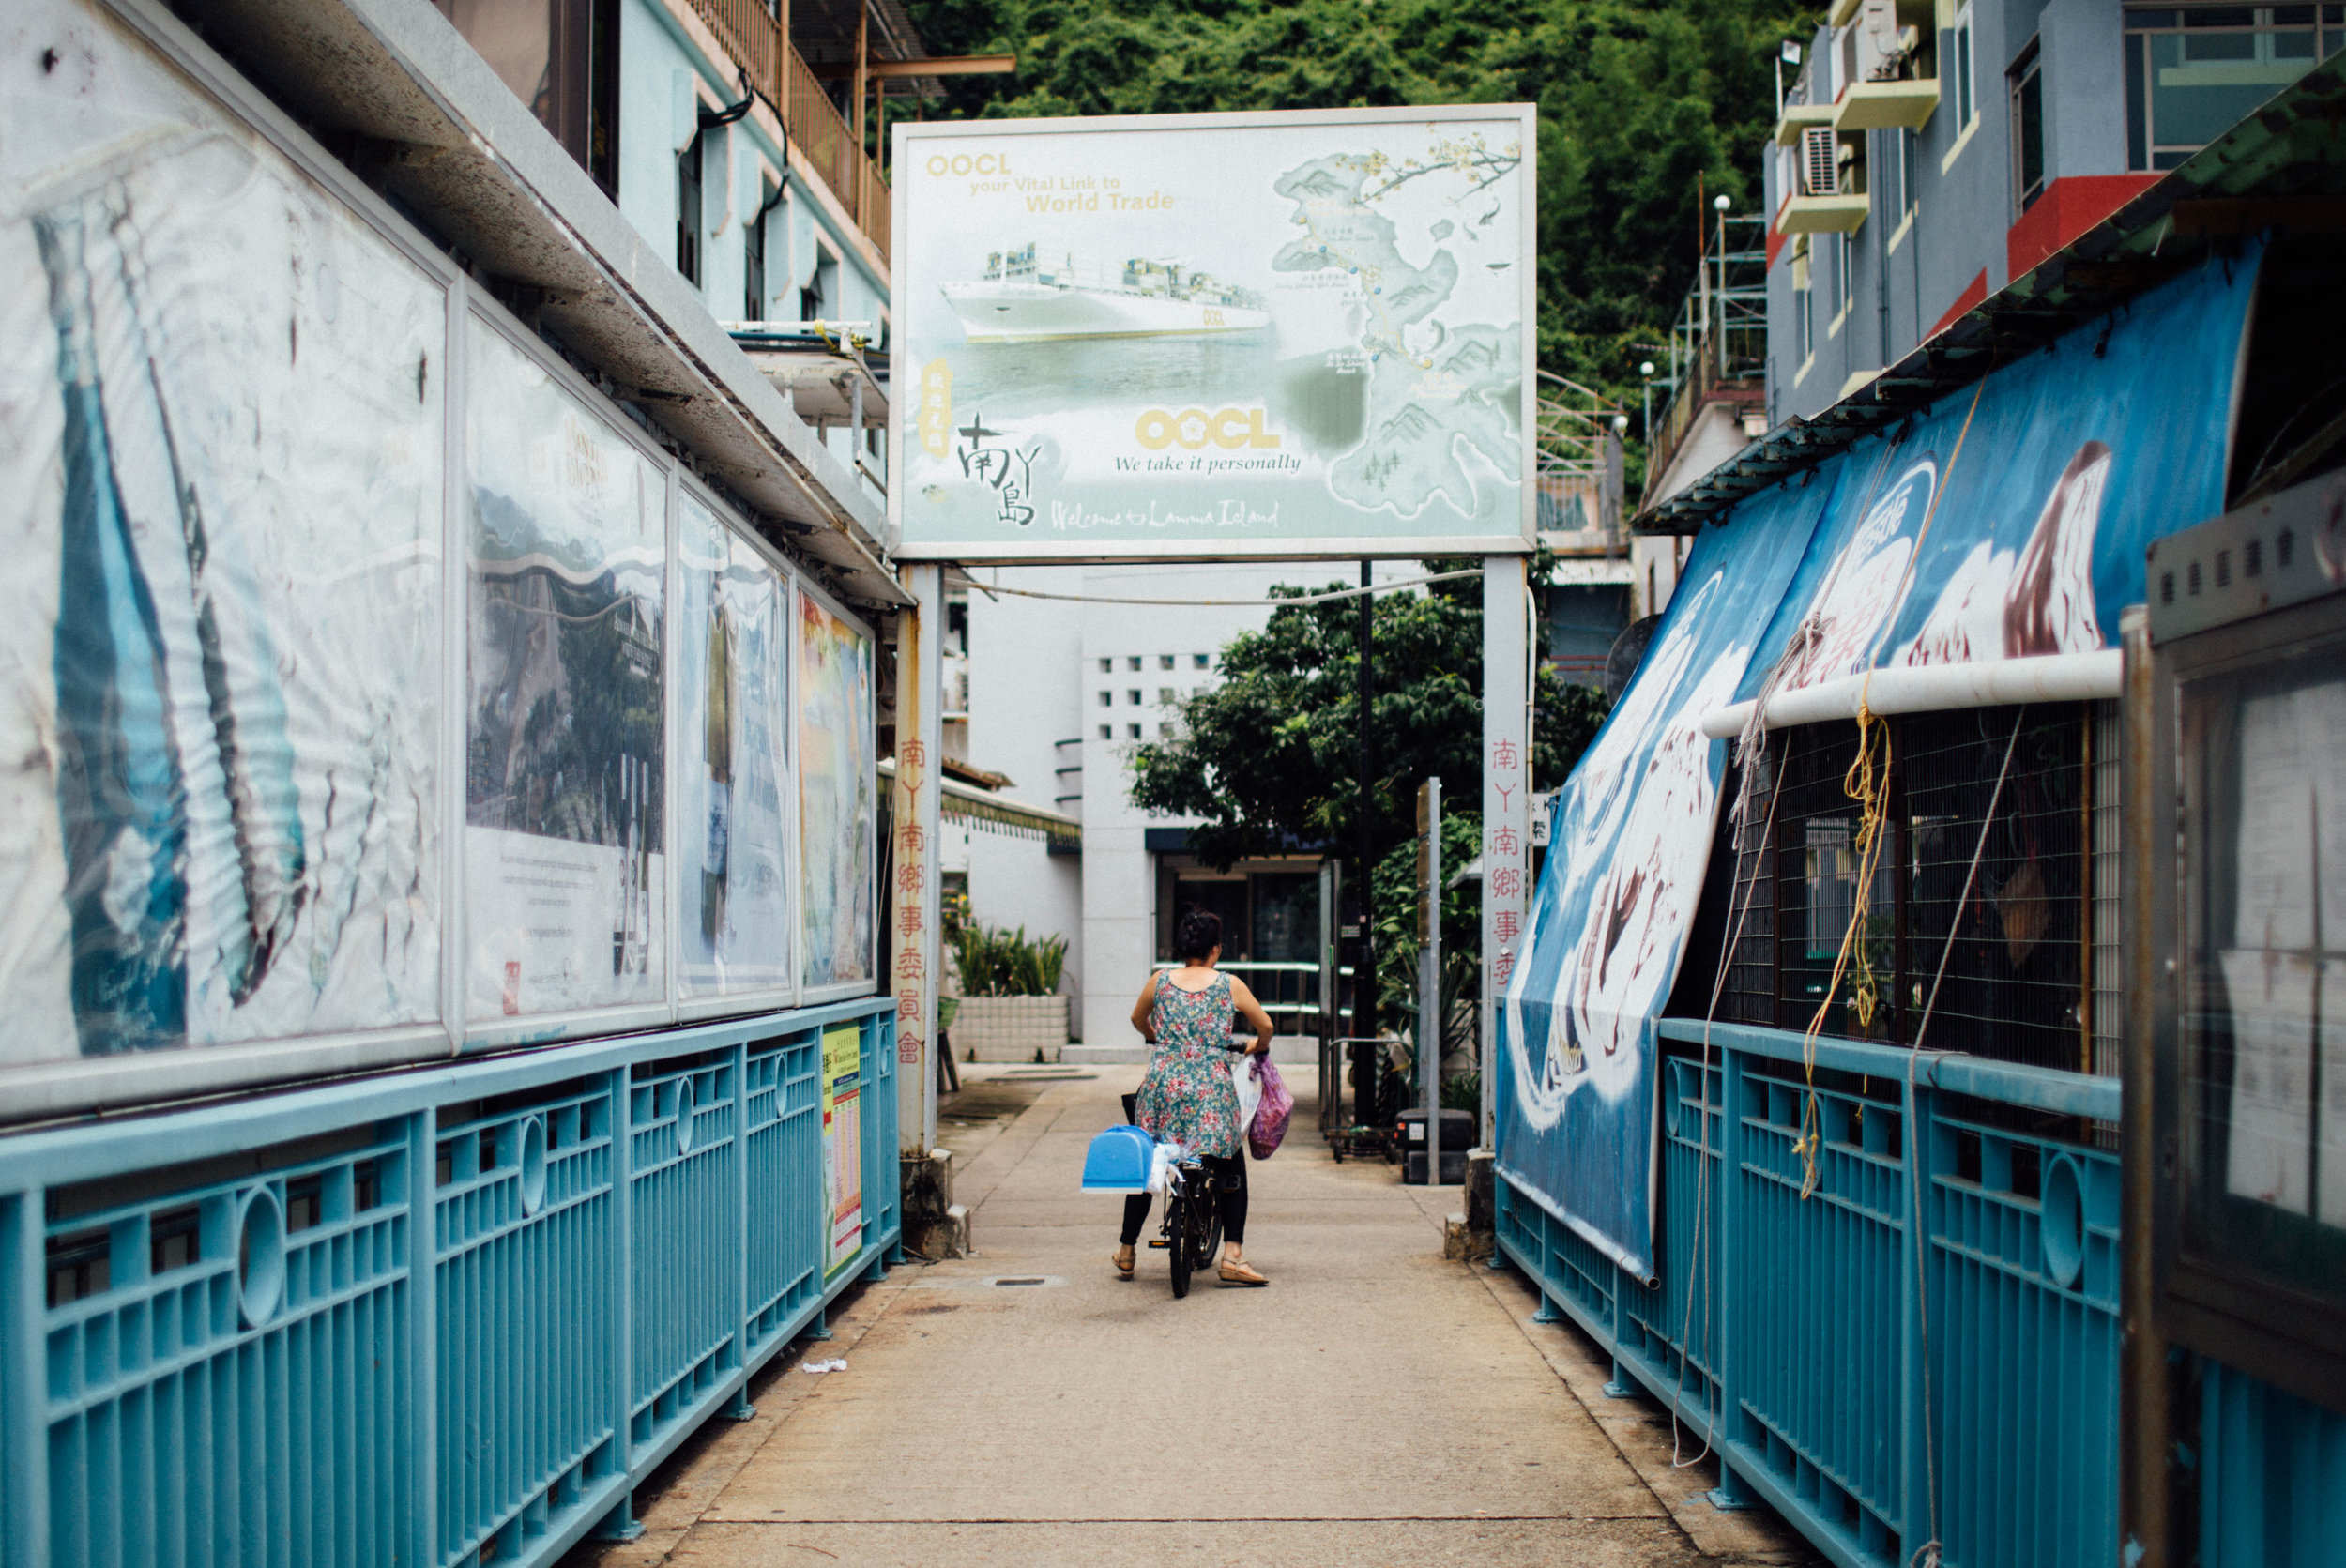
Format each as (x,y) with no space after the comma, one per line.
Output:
(1200,934)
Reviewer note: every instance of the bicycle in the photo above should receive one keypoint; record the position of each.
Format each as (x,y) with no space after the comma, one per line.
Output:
(1191,1230)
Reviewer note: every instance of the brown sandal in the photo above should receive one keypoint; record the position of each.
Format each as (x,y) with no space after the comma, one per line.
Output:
(1241,1273)
(1115,1261)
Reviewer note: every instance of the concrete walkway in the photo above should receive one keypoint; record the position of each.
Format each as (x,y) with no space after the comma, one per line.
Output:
(1376,1405)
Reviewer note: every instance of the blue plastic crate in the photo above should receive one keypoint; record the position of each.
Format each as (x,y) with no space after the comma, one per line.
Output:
(1118,1161)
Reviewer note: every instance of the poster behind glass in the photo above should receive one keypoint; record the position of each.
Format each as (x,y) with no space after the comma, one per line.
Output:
(843,1145)
(220,460)
(2267,1027)
(838,797)
(733,662)
(564,876)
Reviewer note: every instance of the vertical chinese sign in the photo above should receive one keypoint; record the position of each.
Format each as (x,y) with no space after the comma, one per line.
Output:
(911,947)
(842,1144)
(1506,800)
(909,970)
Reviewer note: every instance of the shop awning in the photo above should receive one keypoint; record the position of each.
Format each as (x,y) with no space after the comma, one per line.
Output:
(997,813)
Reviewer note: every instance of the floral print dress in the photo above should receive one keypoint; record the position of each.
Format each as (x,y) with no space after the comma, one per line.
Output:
(1187,1097)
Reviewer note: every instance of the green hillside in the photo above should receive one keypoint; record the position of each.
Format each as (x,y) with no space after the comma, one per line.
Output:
(1639,99)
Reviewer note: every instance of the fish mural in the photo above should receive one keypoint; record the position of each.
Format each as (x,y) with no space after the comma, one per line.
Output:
(2008,521)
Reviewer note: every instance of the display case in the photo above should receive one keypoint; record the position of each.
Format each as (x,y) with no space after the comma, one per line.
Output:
(2245,856)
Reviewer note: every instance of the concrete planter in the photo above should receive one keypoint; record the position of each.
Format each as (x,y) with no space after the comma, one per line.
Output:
(1010,1028)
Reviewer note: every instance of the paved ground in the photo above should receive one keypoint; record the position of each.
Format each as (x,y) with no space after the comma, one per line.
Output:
(1376,1405)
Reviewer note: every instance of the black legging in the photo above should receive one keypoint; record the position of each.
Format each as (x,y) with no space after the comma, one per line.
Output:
(1229,1190)
(1230,1185)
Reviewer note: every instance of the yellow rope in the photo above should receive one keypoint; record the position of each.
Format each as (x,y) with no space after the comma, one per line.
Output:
(1868,783)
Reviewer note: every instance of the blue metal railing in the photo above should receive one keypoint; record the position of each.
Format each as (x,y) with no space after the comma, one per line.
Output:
(1801,1350)
(217,1344)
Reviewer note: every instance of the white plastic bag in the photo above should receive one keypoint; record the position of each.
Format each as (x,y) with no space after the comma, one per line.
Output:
(1249,1091)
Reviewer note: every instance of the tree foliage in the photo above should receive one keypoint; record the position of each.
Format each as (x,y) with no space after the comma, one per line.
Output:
(1269,756)
(1396,923)
(1646,107)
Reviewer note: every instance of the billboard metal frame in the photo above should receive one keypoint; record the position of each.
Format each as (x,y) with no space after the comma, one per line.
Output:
(909,137)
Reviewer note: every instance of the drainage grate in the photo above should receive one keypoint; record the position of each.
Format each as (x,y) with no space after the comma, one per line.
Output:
(1027,1279)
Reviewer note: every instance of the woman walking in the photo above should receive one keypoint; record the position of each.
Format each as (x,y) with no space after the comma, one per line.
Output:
(1185,1016)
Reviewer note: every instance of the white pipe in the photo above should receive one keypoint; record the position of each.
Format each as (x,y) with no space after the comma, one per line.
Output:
(1931,688)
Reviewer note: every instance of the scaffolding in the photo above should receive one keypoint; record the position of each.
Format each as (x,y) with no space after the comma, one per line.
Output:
(1578,477)
(1718,344)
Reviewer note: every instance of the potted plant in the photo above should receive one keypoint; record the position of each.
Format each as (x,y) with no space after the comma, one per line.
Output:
(1011,1006)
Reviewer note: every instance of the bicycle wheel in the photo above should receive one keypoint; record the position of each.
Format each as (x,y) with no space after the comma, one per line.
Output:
(1177,1205)
(1205,1226)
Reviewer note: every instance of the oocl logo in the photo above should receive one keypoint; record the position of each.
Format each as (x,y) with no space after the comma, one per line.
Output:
(1194,428)
(962,163)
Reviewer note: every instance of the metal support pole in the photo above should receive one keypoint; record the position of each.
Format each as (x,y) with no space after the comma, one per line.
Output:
(738,1408)
(24,1381)
(1364,963)
(1330,967)
(913,901)
(1914,1399)
(1506,804)
(1430,975)
(619,1523)
(2148,1419)
(417,1194)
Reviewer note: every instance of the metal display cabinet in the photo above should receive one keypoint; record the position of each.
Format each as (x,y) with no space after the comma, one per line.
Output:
(2237,1018)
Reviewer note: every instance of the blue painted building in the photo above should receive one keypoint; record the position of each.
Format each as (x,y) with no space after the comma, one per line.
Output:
(731,138)
(1930,152)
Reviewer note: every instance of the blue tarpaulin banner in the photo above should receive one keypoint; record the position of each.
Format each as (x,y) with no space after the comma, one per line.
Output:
(2008,521)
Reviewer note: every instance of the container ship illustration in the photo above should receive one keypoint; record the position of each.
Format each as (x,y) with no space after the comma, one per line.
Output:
(1026,298)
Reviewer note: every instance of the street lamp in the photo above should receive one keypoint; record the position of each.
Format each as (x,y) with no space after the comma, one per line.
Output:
(1645,369)
(1720,204)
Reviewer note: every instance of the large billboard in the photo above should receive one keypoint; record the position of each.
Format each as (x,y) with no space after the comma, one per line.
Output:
(1208,336)
(564,878)
(371,686)
(838,803)
(222,458)
(733,691)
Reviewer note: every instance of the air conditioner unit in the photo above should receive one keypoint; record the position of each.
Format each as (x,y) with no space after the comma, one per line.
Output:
(1820,162)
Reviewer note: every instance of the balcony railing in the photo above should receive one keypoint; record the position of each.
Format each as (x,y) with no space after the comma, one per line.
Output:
(824,138)
(754,36)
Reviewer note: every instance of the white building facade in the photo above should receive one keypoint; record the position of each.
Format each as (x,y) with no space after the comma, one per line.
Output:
(1061,691)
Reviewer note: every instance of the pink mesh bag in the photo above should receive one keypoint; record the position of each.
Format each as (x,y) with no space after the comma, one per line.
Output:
(1271,1118)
